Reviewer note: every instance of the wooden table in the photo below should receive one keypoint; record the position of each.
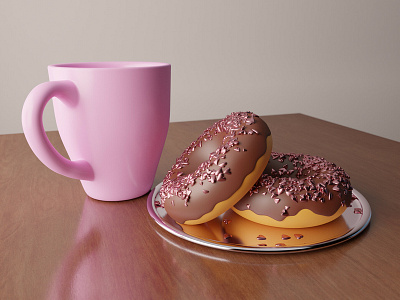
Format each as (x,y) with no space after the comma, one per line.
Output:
(57,243)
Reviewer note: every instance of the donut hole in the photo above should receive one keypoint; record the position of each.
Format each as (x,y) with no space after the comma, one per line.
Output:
(196,158)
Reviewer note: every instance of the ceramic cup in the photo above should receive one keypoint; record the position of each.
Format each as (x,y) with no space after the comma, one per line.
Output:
(113,120)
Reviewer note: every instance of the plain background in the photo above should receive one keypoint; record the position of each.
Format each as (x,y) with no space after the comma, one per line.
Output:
(334,60)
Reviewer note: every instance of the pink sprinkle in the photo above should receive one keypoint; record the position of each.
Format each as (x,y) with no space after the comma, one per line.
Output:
(227,236)
(206,191)
(213,178)
(227,171)
(219,171)
(221,177)
(298,236)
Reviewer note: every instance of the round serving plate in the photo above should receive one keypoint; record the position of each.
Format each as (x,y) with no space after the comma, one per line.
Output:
(231,232)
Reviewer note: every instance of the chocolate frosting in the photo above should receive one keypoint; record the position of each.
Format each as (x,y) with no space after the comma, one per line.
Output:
(214,166)
(292,182)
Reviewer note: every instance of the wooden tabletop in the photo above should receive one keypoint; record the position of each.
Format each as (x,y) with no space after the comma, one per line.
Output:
(56,243)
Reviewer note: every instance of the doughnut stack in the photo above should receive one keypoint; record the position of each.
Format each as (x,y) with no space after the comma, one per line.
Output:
(231,165)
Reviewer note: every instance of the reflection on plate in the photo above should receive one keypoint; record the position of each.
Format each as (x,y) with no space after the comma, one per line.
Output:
(232,232)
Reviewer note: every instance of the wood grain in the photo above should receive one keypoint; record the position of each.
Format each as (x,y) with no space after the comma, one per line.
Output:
(57,243)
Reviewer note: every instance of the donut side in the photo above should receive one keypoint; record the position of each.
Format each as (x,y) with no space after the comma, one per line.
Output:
(297,191)
(217,169)
(303,219)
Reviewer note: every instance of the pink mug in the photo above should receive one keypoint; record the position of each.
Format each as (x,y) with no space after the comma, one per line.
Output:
(113,120)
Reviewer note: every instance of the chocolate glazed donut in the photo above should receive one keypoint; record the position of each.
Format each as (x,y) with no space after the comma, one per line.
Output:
(295,191)
(217,169)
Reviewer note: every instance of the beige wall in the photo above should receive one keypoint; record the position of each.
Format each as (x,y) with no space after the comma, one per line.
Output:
(335,60)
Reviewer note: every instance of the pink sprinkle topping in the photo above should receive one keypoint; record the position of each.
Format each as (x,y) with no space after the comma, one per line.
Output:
(227,171)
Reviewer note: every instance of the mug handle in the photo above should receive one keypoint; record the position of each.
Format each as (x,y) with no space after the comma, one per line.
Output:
(32,124)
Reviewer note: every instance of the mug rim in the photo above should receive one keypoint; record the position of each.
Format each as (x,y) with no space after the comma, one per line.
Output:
(110,65)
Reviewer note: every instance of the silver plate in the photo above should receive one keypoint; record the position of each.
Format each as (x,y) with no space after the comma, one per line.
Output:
(234,233)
